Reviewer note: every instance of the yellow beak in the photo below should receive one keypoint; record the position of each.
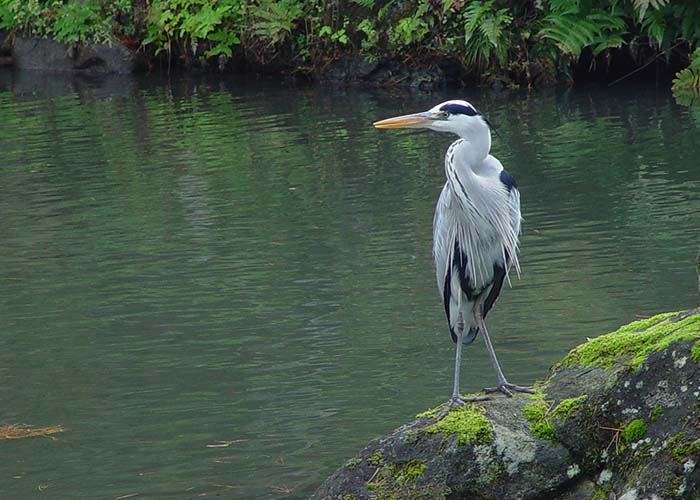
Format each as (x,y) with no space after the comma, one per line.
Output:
(416,120)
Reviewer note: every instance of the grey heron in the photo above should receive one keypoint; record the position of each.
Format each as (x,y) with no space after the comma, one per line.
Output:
(475,228)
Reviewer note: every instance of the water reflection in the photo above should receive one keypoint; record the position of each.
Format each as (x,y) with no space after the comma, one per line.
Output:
(223,287)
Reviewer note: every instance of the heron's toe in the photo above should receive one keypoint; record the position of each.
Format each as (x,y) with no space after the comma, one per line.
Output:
(507,388)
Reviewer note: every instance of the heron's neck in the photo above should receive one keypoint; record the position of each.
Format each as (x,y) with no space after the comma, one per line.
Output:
(475,147)
(469,155)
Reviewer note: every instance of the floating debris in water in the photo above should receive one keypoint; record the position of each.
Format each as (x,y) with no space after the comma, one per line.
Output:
(21,431)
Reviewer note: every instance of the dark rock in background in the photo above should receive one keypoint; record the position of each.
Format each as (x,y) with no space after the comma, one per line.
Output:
(46,54)
(357,70)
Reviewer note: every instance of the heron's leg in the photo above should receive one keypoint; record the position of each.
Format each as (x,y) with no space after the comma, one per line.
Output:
(458,362)
(456,399)
(503,385)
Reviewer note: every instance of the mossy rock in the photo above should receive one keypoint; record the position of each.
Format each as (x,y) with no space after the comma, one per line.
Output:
(619,415)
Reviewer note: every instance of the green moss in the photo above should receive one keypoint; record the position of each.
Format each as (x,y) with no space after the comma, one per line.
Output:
(540,414)
(410,471)
(634,341)
(353,462)
(686,448)
(434,412)
(431,412)
(468,423)
(537,413)
(402,482)
(634,431)
(349,497)
(375,458)
(695,352)
(600,493)
(568,407)
(655,413)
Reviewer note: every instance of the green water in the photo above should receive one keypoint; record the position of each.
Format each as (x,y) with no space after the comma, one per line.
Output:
(225,289)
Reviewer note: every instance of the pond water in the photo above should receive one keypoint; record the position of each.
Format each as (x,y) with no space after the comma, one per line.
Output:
(225,289)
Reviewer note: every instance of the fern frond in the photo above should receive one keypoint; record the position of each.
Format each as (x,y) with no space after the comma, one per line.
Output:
(573,31)
(367,4)
(641,6)
(485,34)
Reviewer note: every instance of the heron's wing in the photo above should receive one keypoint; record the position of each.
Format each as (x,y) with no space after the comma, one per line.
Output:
(442,240)
(499,275)
(511,247)
(443,244)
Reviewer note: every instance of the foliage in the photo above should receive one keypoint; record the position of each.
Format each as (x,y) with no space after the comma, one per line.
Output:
(498,37)
(68,21)
(80,21)
(573,26)
(187,22)
(689,78)
(485,33)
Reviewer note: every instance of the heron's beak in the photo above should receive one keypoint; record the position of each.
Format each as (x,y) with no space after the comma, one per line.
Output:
(416,120)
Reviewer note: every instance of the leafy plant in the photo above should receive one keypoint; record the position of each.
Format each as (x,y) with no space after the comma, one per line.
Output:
(81,22)
(274,21)
(641,6)
(485,33)
(191,23)
(689,78)
(371,36)
(410,29)
(572,28)
(340,36)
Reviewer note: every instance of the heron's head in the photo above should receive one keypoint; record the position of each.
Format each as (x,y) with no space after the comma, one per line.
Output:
(458,117)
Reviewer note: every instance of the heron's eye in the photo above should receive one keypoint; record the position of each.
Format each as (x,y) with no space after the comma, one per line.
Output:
(444,115)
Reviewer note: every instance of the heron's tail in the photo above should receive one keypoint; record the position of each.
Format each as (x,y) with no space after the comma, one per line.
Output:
(468,338)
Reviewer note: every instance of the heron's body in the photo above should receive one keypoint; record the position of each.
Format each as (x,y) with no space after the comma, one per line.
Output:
(475,235)
(475,228)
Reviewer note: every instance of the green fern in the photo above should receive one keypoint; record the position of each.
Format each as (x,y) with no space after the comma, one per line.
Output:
(275,20)
(485,33)
(689,78)
(572,30)
(641,6)
(367,4)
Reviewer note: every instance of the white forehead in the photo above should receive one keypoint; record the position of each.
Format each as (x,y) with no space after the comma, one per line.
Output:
(459,102)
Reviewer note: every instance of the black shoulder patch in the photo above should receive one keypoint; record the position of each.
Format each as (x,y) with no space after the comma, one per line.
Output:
(507,180)
(459,109)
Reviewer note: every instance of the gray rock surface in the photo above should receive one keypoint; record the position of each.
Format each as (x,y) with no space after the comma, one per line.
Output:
(46,54)
(357,70)
(618,418)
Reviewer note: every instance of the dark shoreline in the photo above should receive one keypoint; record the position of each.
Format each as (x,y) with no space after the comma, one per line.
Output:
(357,71)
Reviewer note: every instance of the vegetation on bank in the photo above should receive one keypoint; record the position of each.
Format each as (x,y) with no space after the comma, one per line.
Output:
(503,39)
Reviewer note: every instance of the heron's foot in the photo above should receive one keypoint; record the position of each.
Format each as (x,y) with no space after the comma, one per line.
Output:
(459,401)
(507,388)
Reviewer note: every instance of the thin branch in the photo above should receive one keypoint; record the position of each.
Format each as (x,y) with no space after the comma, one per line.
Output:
(645,64)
